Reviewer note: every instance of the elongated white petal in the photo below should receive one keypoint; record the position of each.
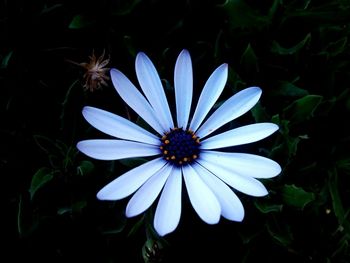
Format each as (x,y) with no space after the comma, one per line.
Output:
(244,184)
(116,149)
(244,164)
(148,192)
(130,181)
(234,107)
(168,210)
(117,126)
(211,92)
(231,206)
(202,198)
(152,87)
(183,79)
(242,135)
(129,93)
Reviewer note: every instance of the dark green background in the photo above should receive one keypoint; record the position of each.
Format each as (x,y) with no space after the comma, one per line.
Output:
(296,51)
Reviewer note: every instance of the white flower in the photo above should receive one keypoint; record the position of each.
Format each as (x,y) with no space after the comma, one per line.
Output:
(182,149)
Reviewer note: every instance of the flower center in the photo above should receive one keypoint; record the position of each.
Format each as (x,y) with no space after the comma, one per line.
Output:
(179,146)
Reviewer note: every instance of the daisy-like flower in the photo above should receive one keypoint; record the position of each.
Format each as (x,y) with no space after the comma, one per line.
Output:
(182,149)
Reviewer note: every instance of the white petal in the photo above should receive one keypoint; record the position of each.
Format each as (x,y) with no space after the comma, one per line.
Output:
(245,164)
(244,184)
(234,107)
(151,85)
(129,182)
(231,206)
(129,93)
(117,126)
(211,92)
(242,135)
(202,198)
(148,192)
(183,80)
(116,149)
(168,211)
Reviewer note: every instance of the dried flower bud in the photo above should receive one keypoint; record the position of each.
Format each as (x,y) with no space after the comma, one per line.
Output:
(96,72)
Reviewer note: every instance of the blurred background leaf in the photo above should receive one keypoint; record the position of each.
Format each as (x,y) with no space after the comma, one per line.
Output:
(296,196)
(276,48)
(40,178)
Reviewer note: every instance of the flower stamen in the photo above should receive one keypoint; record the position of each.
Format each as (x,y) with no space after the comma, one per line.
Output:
(180,146)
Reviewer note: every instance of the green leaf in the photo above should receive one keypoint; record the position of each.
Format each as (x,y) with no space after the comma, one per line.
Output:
(248,236)
(80,21)
(283,125)
(249,60)
(127,8)
(328,13)
(259,113)
(133,162)
(241,15)
(281,233)
(118,228)
(130,45)
(302,109)
(233,77)
(136,226)
(49,9)
(276,119)
(296,196)
(344,165)
(289,146)
(5,60)
(274,8)
(85,167)
(76,207)
(288,89)
(20,215)
(292,145)
(338,207)
(266,207)
(40,178)
(337,47)
(278,49)
(64,210)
